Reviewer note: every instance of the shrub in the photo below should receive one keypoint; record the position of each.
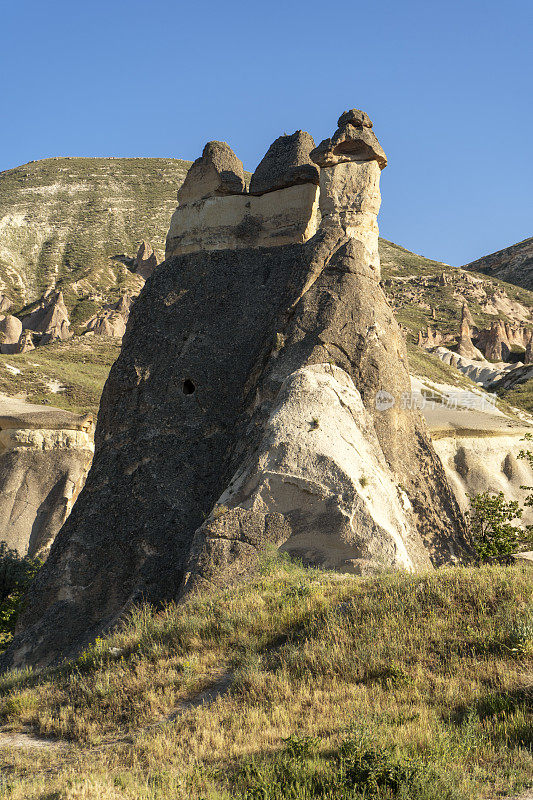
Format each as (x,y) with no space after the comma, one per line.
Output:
(493,534)
(16,573)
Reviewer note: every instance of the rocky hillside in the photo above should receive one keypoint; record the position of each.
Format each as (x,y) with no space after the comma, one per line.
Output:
(66,222)
(513,264)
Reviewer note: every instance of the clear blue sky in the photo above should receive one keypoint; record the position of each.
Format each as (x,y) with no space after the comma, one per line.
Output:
(448,85)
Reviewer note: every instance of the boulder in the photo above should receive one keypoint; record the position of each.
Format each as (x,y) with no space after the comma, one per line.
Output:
(287,163)
(355,117)
(218,171)
(10,331)
(5,303)
(280,419)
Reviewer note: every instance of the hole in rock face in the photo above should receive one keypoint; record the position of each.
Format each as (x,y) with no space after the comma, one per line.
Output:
(188,386)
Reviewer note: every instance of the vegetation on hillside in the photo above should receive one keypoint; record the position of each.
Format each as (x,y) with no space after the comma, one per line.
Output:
(68,375)
(16,573)
(296,684)
(64,219)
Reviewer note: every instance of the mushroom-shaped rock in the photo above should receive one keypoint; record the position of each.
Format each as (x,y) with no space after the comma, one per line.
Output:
(218,171)
(145,260)
(286,163)
(352,141)
(10,330)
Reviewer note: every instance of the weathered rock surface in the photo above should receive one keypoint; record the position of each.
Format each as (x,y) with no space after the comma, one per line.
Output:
(234,409)
(320,469)
(10,331)
(287,163)
(218,171)
(45,455)
(5,303)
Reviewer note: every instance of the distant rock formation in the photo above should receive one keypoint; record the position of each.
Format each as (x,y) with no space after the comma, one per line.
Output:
(112,319)
(45,454)
(494,342)
(10,332)
(266,406)
(50,318)
(465,346)
(145,261)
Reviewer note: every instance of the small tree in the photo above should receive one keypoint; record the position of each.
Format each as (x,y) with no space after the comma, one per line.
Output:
(491,520)
(16,574)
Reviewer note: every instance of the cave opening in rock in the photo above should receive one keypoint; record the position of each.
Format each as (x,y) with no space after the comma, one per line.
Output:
(188,386)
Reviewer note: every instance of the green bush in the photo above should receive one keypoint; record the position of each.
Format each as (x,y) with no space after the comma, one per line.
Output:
(355,770)
(16,573)
(491,522)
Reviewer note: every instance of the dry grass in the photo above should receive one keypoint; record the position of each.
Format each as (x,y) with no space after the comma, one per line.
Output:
(431,675)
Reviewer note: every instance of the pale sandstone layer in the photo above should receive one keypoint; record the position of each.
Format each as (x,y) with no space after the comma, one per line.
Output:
(281,217)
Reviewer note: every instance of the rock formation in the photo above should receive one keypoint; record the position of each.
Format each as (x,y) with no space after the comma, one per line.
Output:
(112,320)
(265,406)
(5,303)
(45,454)
(205,220)
(145,261)
(465,346)
(287,163)
(49,319)
(494,342)
(218,171)
(10,331)
(25,344)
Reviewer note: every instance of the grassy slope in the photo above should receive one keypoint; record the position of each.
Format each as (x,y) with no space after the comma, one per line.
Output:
(424,677)
(63,219)
(80,366)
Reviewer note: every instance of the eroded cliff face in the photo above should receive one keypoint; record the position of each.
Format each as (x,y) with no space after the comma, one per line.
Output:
(264,407)
(45,454)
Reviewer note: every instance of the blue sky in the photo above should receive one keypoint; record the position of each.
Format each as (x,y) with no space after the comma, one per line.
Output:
(447,84)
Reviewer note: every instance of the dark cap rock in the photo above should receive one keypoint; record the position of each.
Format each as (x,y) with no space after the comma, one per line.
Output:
(217,172)
(355,117)
(286,163)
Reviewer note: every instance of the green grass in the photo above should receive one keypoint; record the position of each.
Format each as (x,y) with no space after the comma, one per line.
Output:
(339,687)
(80,365)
